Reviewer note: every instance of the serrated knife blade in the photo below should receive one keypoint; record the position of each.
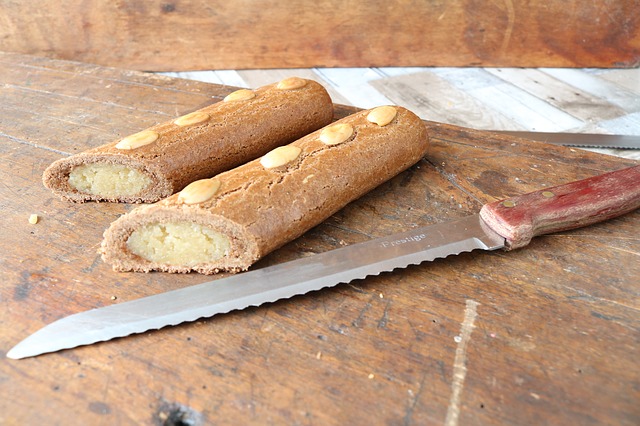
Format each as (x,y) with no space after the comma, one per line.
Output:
(578,140)
(504,224)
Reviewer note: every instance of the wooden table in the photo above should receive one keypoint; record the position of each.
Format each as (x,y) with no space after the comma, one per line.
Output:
(543,335)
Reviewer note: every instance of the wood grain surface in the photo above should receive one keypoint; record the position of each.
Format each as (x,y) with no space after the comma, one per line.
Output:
(583,100)
(204,34)
(547,334)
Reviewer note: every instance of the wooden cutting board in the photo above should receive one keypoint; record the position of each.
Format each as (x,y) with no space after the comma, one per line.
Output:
(543,335)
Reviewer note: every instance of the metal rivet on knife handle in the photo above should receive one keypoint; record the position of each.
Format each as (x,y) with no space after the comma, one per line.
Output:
(508,203)
(548,194)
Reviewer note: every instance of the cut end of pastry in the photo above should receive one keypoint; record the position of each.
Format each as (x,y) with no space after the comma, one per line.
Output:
(96,178)
(106,180)
(177,239)
(182,244)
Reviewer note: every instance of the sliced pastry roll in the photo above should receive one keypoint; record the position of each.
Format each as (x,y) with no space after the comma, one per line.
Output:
(228,222)
(161,160)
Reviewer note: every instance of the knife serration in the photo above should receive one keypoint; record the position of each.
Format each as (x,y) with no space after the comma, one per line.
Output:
(261,286)
(578,140)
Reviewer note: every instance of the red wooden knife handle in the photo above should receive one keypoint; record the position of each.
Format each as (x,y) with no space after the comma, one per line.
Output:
(563,207)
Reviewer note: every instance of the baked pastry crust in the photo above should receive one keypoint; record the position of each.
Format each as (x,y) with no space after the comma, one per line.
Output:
(247,124)
(264,204)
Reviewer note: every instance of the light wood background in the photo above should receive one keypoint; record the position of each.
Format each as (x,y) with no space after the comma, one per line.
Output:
(537,99)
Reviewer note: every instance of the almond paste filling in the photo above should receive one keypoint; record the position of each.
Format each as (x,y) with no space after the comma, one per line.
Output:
(108,180)
(178,243)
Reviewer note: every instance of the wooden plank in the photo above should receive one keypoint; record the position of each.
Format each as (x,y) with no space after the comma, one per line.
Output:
(437,99)
(543,335)
(563,95)
(204,34)
(490,106)
(257,79)
(622,79)
(628,100)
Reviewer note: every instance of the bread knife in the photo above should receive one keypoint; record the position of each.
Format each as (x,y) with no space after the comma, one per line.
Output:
(578,140)
(505,224)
